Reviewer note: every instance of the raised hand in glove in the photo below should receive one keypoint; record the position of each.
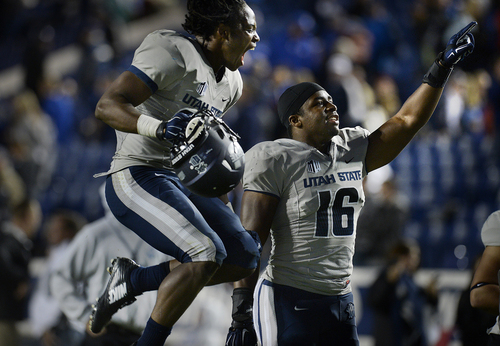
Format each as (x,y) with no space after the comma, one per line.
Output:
(459,46)
(242,332)
(174,129)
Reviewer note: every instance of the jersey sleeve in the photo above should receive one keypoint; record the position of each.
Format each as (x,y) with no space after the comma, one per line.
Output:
(354,144)
(490,233)
(262,171)
(158,61)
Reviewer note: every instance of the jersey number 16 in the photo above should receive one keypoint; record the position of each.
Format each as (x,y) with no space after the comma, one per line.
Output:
(334,215)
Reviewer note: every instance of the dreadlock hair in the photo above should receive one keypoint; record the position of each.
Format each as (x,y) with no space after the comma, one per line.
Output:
(204,16)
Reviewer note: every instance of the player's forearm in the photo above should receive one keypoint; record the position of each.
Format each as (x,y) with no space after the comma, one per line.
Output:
(418,108)
(395,134)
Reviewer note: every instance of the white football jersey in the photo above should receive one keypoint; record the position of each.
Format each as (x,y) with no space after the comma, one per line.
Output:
(490,233)
(314,228)
(176,70)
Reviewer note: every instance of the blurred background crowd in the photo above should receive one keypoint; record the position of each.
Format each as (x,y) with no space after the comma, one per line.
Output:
(58,56)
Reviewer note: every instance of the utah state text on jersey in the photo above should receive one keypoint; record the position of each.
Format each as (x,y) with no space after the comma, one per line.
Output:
(330,179)
(200,105)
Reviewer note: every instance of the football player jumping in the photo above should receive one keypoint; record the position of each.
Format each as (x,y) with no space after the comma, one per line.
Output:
(149,105)
(306,193)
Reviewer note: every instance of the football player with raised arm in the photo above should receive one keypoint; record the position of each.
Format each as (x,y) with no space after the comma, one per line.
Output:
(171,77)
(306,194)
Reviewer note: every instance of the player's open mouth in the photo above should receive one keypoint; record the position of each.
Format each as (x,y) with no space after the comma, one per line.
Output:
(333,119)
(243,56)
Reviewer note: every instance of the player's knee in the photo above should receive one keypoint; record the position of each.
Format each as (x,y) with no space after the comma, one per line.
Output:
(205,269)
(250,249)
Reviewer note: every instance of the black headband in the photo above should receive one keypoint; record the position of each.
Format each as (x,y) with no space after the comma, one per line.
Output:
(293,98)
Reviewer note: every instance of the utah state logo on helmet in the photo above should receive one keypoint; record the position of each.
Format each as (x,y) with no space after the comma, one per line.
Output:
(210,161)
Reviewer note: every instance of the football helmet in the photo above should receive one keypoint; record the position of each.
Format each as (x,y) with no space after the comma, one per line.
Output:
(209,161)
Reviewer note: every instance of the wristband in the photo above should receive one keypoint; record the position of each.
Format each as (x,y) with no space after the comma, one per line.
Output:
(147,125)
(481,284)
(438,75)
(242,304)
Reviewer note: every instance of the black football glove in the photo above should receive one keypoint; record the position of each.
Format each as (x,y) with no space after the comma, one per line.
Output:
(174,129)
(459,46)
(242,332)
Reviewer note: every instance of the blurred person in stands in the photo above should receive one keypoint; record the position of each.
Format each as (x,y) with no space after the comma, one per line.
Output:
(305,193)
(476,117)
(381,223)
(387,93)
(59,101)
(494,103)
(386,102)
(454,105)
(99,46)
(45,317)
(250,114)
(80,275)
(31,141)
(39,42)
(149,105)
(398,302)
(295,43)
(472,323)
(12,188)
(15,255)
(346,89)
(484,289)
